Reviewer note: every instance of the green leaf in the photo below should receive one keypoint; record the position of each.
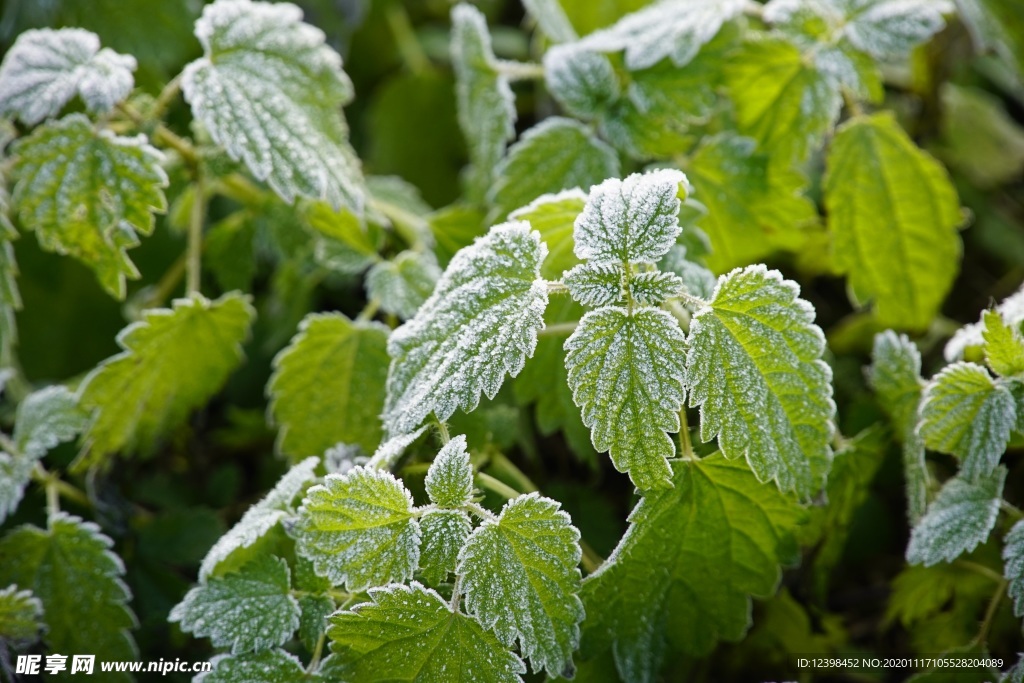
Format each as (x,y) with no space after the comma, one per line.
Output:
(45,69)
(45,419)
(895,375)
(10,297)
(595,284)
(266,666)
(251,609)
(409,633)
(626,374)
(554,216)
(229,251)
(341,235)
(359,529)
(904,253)
(1013,569)
(1011,309)
(15,474)
(174,361)
(583,82)
(480,323)
(889,29)
(229,552)
(632,220)
(328,385)
(486,105)
(556,154)
(696,279)
(672,28)
(71,569)
(21,616)
(959,518)
(520,578)
(651,288)
(979,137)
(402,284)
(685,570)
(781,101)
(444,534)
(450,477)
(313,621)
(754,368)
(967,414)
(85,192)
(754,206)
(268,89)
(1004,346)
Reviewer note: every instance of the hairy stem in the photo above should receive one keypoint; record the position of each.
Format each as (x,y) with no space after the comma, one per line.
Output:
(520,71)
(195,235)
(559,329)
(442,431)
(56,487)
(495,485)
(163,100)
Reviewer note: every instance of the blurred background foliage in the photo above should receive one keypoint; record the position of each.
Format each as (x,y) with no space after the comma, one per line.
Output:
(851,593)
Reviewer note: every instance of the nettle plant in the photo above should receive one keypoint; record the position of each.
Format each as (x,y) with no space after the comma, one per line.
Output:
(620,301)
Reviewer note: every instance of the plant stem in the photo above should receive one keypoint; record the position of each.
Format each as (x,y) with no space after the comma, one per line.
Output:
(481,512)
(685,445)
(317,651)
(520,71)
(163,100)
(557,288)
(559,329)
(456,594)
(496,486)
(442,431)
(754,9)
(168,282)
(56,486)
(405,38)
(990,612)
(980,569)
(195,235)
(509,469)
(1011,510)
(691,300)
(370,310)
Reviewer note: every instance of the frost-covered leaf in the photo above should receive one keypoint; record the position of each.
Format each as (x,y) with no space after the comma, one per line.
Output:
(229,550)
(595,284)
(313,619)
(269,90)
(781,100)
(87,192)
(1011,309)
(684,572)
(449,480)
(388,453)
(1013,569)
(651,288)
(889,29)
(251,609)
(10,296)
(520,578)
(46,418)
(551,19)
(173,361)
(959,518)
(444,533)
(409,633)
(669,28)
(1004,346)
(402,284)
(343,243)
(267,666)
(21,616)
(480,323)
(359,529)
(696,279)
(754,206)
(486,105)
(583,82)
(556,154)
(904,253)
(15,474)
(626,374)
(966,413)
(632,220)
(895,375)
(754,368)
(553,216)
(70,568)
(45,69)
(328,385)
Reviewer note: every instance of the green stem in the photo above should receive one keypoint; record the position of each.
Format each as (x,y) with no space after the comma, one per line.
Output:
(400,220)
(557,288)
(163,100)
(405,39)
(169,282)
(370,310)
(481,512)
(520,71)
(990,613)
(195,235)
(559,329)
(317,651)
(505,466)
(685,445)
(442,431)
(980,569)
(497,486)
(456,594)
(56,487)
(1011,510)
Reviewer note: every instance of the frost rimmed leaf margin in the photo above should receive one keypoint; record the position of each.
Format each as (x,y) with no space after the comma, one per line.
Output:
(755,370)
(269,90)
(480,323)
(46,68)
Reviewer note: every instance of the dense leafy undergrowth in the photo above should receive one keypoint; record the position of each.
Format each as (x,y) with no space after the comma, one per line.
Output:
(672,341)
